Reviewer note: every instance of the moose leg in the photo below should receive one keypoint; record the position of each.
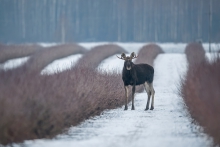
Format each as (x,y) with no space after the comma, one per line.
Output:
(126,98)
(147,88)
(153,92)
(133,91)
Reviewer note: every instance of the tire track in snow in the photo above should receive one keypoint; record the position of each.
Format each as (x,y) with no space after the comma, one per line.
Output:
(166,125)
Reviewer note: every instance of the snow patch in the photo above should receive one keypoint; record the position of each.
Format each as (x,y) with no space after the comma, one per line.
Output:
(112,64)
(13,63)
(62,64)
(90,45)
(48,44)
(211,56)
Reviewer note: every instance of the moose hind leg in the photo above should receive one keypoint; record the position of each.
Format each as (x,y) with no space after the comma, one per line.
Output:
(147,89)
(153,92)
(133,92)
(126,98)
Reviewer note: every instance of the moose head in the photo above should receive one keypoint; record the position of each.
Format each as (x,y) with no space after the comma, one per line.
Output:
(128,60)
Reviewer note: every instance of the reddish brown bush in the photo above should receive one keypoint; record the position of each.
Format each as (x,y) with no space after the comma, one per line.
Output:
(195,53)
(148,53)
(41,59)
(96,55)
(200,91)
(35,106)
(44,105)
(17,51)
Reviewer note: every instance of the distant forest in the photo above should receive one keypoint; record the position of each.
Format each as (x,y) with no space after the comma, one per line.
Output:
(23,21)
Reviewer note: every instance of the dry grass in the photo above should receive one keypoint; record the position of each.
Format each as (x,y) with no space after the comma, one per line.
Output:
(200,90)
(17,51)
(41,106)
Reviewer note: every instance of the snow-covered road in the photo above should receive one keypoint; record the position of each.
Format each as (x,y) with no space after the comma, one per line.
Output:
(167,125)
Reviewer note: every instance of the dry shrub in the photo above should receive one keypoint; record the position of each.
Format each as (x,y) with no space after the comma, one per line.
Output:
(195,53)
(148,53)
(34,106)
(17,51)
(41,106)
(95,56)
(200,91)
(41,59)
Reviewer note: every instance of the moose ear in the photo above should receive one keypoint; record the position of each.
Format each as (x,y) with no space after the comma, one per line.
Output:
(123,55)
(132,55)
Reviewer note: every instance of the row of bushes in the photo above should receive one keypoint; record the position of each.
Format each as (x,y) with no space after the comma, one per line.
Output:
(44,57)
(40,57)
(201,90)
(93,58)
(150,51)
(41,106)
(17,51)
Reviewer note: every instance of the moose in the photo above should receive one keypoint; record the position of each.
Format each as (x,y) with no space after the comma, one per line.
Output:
(137,74)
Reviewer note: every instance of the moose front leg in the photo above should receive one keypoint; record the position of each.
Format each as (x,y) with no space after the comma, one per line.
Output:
(126,98)
(133,92)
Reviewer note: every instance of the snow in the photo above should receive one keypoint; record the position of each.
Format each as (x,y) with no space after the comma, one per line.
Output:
(214,47)
(167,125)
(13,63)
(112,64)
(48,44)
(90,45)
(62,64)
(211,56)
(173,47)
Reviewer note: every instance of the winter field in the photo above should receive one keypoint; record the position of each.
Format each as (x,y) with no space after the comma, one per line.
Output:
(169,124)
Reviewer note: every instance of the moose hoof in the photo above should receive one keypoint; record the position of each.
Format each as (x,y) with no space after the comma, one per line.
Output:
(152,108)
(132,108)
(126,108)
(146,109)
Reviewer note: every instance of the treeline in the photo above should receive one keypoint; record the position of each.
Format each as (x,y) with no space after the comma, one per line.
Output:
(107,20)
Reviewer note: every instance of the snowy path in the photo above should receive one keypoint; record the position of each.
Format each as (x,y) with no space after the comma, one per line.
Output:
(167,125)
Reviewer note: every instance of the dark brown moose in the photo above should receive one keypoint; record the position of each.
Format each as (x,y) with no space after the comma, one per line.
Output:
(137,74)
